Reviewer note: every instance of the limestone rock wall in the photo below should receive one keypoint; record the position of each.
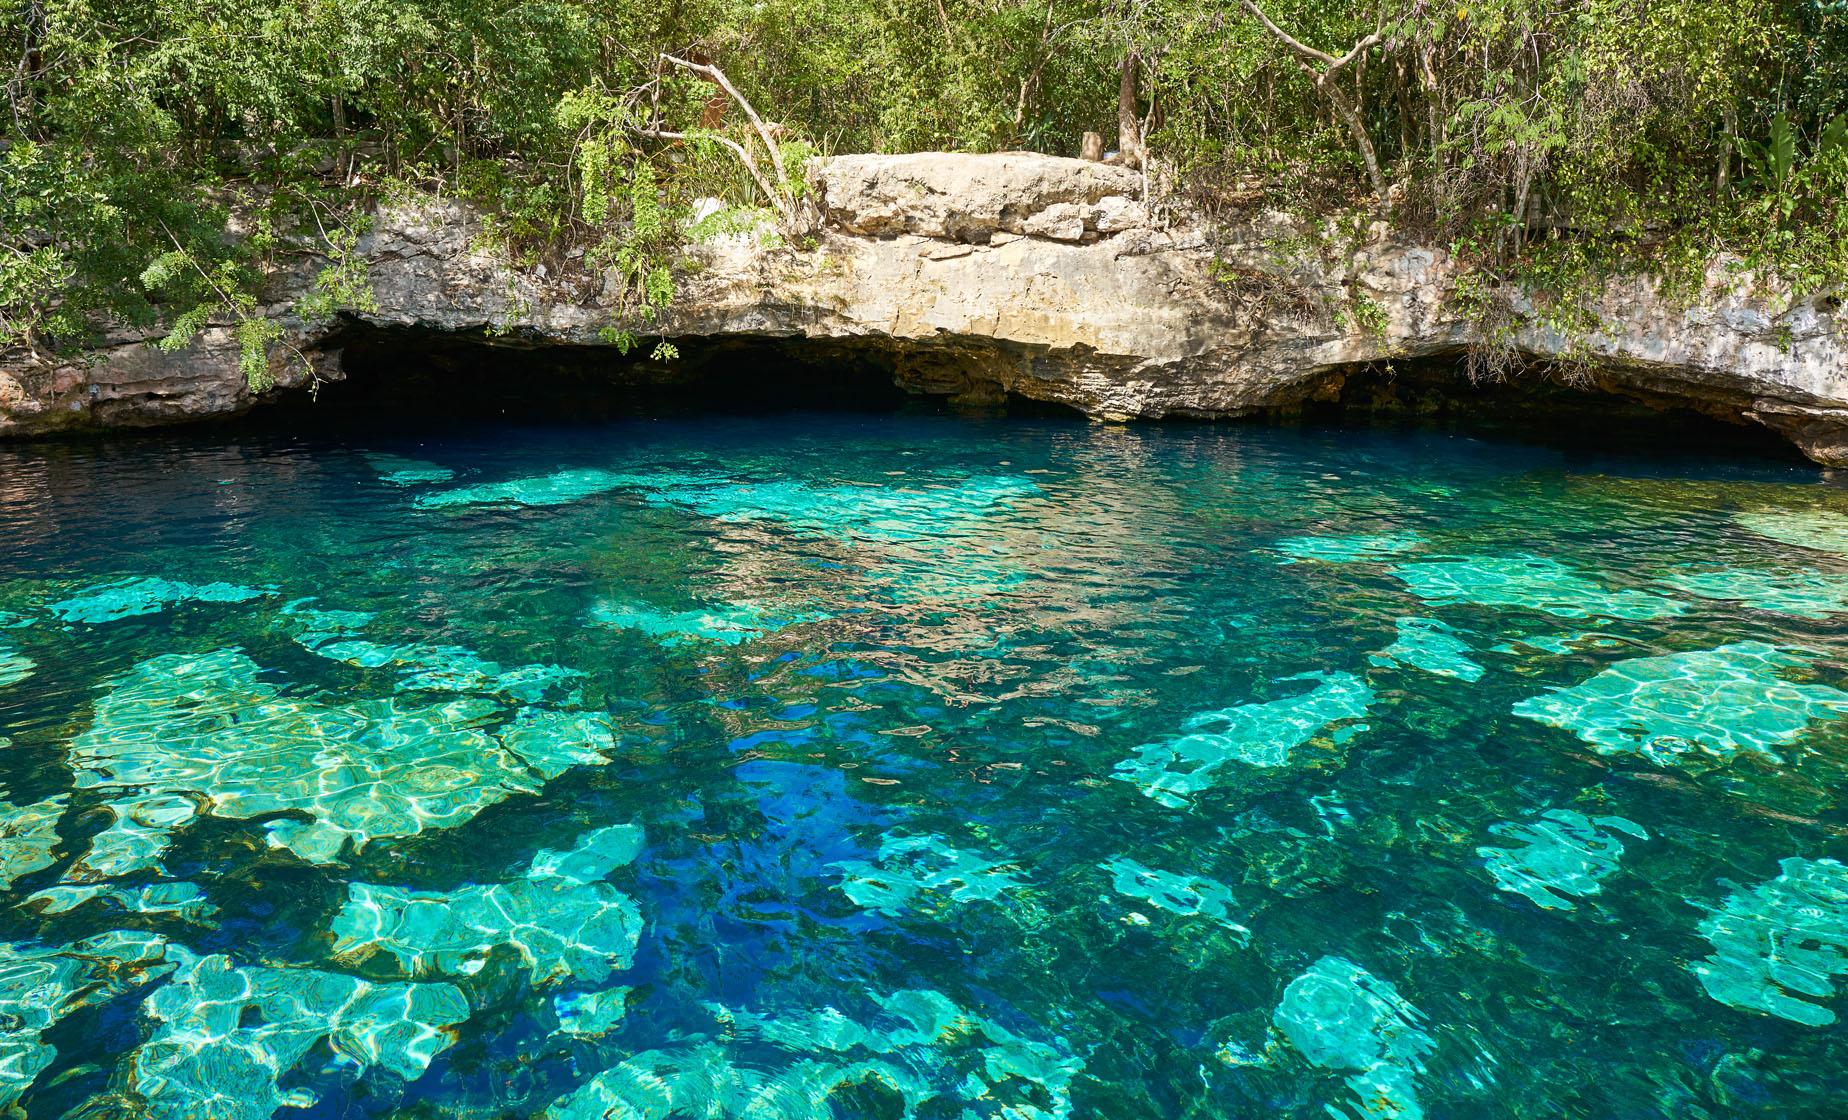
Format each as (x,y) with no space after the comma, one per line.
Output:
(980,275)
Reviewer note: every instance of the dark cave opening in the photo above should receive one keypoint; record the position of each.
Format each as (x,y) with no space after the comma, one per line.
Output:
(405,377)
(1535,403)
(410,373)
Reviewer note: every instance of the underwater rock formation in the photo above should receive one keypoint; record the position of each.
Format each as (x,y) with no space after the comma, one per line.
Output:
(1432,647)
(1563,855)
(561,918)
(227,1035)
(1172,770)
(1343,1017)
(1781,941)
(978,276)
(917,1046)
(1688,707)
(923,873)
(179,731)
(40,986)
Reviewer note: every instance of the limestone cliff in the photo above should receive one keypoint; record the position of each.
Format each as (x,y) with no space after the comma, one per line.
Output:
(981,275)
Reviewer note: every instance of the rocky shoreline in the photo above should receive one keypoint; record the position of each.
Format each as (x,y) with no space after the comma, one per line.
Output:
(980,276)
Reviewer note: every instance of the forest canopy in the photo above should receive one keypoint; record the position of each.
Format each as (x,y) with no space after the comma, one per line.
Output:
(157,154)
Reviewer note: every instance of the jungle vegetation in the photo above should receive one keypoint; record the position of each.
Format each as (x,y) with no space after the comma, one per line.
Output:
(157,155)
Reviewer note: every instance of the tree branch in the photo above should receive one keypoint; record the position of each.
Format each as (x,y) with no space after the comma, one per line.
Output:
(744,157)
(1345,108)
(718,76)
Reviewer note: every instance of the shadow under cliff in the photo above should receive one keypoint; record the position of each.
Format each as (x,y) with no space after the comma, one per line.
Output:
(412,379)
(1542,404)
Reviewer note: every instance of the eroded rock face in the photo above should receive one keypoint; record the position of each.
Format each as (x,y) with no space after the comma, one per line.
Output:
(982,275)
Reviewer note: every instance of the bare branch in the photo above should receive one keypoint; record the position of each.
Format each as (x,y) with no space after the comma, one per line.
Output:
(718,76)
(1307,57)
(1289,40)
(744,156)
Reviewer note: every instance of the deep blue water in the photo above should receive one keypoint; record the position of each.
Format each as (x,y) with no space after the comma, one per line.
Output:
(869,766)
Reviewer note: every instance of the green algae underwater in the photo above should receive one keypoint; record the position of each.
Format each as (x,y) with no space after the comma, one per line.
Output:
(840,766)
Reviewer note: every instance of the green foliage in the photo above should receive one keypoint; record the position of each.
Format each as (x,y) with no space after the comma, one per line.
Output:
(159,157)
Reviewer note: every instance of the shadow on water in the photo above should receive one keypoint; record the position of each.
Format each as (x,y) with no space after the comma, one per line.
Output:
(420,381)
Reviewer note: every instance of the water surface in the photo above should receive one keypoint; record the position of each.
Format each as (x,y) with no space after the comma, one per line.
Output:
(822,766)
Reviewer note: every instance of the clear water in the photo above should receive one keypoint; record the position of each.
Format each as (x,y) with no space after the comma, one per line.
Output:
(878,766)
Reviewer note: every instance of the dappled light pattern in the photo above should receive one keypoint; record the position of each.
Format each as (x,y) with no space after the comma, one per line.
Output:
(139,830)
(1528,582)
(1558,645)
(1429,646)
(177,899)
(28,833)
(396,470)
(1817,529)
(560,917)
(208,727)
(917,1046)
(1779,947)
(1347,550)
(14,666)
(558,489)
(1805,594)
(1713,702)
(1186,895)
(226,1036)
(1560,856)
(1263,735)
(725,623)
(925,875)
(819,769)
(591,1014)
(870,513)
(40,986)
(449,669)
(1342,1017)
(128,598)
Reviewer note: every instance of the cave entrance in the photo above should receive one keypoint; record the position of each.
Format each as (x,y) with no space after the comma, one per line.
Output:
(405,373)
(1529,402)
(407,377)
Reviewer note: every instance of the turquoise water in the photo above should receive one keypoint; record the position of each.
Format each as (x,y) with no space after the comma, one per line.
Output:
(873,767)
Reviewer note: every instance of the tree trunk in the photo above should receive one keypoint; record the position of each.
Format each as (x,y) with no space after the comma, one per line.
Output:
(1357,128)
(1129,124)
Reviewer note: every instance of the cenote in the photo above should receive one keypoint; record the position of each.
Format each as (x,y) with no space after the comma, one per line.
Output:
(879,764)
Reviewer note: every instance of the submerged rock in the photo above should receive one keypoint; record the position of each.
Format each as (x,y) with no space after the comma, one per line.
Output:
(1563,855)
(128,598)
(924,873)
(1342,1017)
(395,470)
(1530,582)
(179,731)
(14,666)
(1715,702)
(28,833)
(163,899)
(1347,550)
(1429,646)
(917,1045)
(727,624)
(562,920)
(40,986)
(1172,770)
(1806,594)
(1782,944)
(1817,529)
(1186,895)
(226,1036)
